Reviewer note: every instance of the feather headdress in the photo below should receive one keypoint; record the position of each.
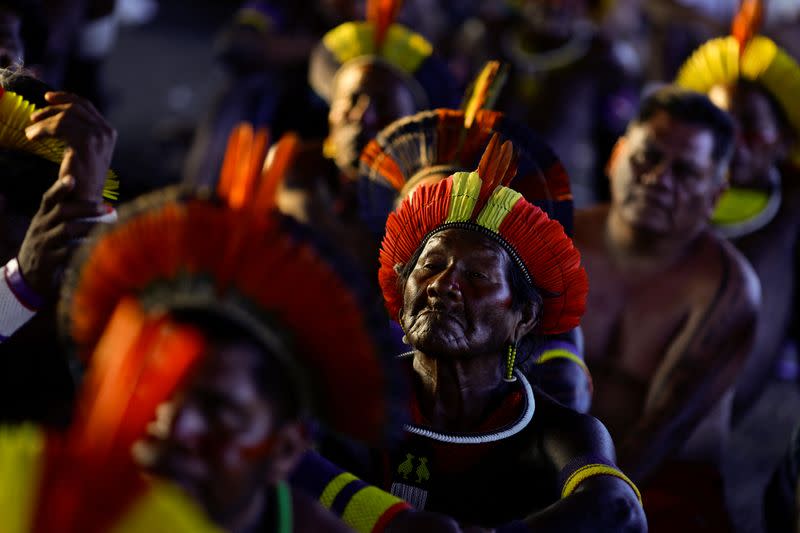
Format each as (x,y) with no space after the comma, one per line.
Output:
(380,39)
(86,480)
(444,141)
(15,116)
(229,253)
(747,55)
(481,201)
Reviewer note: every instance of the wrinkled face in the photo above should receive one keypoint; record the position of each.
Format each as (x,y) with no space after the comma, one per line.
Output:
(219,439)
(457,301)
(11,48)
(759,141)
(664,180)
(365,99)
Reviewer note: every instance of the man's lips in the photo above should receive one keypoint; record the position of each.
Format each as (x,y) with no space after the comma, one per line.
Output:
(650,198)
(442,314)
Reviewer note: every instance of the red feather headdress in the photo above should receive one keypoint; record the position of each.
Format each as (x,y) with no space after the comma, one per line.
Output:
(229,253)
(481,201)
(85,480)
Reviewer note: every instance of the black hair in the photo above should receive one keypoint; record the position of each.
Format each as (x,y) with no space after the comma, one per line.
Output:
(271,376)
(693,108)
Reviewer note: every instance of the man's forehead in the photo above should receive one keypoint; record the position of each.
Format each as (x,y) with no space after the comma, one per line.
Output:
(682,138)
(465,239)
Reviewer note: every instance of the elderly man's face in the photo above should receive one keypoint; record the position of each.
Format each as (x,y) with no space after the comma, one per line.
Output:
(457,301)
(366,98)
(760,141)
(664,180)
(11,48)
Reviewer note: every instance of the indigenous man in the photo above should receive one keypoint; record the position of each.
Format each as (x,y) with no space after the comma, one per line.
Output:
(470,268)
(749,76)
(273,313)
(372,73)
(672,310)
(427,147)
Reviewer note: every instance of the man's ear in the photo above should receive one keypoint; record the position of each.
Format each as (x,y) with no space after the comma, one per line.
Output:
(528,320)
(398,268)
(616,154)
(290,442)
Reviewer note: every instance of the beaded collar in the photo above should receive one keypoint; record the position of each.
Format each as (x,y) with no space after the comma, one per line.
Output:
(486,437)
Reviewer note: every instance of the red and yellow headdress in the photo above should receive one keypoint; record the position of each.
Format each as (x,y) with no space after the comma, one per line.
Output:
(746,55)
(481,201)
(448,141)
(380,39)
(85,480)
(15,116)
(229,253)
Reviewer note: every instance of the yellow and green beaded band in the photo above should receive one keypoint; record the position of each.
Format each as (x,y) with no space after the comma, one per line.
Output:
(367,507)
(596,469)
(560,353)
(333,488)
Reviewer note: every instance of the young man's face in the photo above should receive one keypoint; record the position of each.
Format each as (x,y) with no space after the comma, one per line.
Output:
(221,439)
(664,180)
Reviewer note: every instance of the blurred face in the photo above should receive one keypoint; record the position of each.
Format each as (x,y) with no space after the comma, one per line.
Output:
(759,141)
(220,439)
(366,98)
(457,299)
(11,48)
(664,178)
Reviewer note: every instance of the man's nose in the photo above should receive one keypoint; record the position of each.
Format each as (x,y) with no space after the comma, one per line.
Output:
(660,174)
(445,284)
(363,111)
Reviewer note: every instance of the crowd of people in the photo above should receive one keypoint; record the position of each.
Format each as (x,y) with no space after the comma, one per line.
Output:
(431,266)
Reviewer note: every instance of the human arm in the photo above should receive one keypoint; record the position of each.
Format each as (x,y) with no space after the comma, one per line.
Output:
(557,367)
(700,364)
(595,495)
(361,506)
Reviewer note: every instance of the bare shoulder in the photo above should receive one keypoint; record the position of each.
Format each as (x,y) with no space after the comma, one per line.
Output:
(567,434)
(309,515)
(737,282)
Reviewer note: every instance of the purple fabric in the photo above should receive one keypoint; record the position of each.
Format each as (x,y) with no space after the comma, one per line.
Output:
(20,288)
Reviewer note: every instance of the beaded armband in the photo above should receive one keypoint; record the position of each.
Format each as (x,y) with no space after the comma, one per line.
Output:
(579,470)
(363,507)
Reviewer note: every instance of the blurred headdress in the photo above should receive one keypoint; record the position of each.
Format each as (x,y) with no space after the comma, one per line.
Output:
(449,140)
(227,252)
(746,55)
(380,40)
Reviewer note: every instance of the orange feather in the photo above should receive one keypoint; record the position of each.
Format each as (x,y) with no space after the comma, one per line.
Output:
(747,22)
(382,14)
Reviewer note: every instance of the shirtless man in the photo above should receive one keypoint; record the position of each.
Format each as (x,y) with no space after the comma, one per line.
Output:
(672,310)
(760,212)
